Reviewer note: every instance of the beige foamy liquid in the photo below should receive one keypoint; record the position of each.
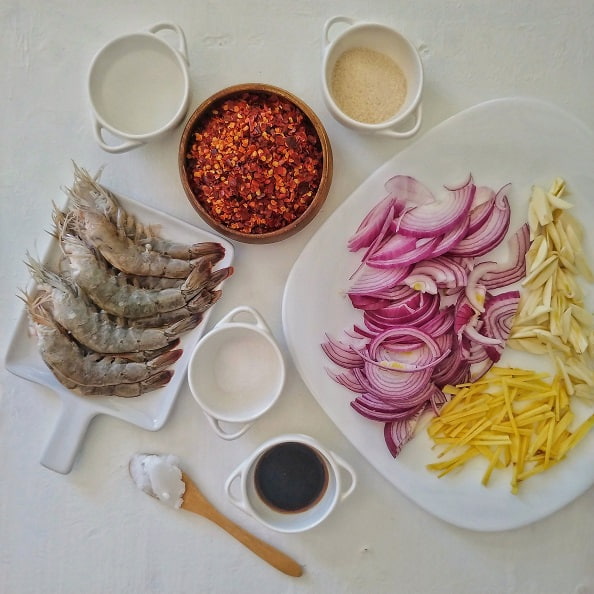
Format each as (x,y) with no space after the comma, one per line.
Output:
(368,86)
(141,91)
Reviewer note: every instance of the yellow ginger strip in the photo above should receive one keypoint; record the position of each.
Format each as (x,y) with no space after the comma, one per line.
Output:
(511,418)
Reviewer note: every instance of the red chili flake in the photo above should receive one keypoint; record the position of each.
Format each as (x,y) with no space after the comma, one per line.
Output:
(256,162)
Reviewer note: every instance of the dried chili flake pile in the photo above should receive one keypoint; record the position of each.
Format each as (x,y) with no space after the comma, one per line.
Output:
(255,163)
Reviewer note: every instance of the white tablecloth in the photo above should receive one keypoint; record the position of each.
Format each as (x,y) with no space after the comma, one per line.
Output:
(91,530)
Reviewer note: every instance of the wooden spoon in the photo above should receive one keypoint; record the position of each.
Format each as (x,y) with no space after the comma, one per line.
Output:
(195,501)
(169,479)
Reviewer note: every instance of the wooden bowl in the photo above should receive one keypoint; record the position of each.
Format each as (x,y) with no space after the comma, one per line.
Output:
(198,199)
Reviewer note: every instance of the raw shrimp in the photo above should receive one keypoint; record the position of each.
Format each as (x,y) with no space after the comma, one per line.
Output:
(132,390)
(103,288)
(72,362)
(121,252)
(199,304)
(148,282)
(93,327)
(87,191)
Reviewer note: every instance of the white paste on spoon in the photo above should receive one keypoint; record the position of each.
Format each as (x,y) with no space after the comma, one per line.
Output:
(159,476)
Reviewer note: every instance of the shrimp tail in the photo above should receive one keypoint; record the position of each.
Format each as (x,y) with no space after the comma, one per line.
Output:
(218,276)
(203,301)
(158,380)
(165,359)
(197,278)
(184,325)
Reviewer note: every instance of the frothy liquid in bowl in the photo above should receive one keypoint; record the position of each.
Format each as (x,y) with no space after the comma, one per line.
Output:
(141,90)
(368,86)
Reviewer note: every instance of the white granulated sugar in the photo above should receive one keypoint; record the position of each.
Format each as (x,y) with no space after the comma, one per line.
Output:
(368,86)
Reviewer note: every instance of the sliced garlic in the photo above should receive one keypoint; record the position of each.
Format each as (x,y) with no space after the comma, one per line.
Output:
(551,317)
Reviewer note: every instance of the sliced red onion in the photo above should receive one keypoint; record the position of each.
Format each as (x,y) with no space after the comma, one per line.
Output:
(514,269)
(452,239)
(341,353)
(463,317)
(405,332)
(371,225)
(438,217)
(473,334)
(398,293)
(422,283)
(428,316)
(372,280)
(347,379)
(437,399)
(475,292)
(400,251)
(399,432)
(394,387)
(490,234)
(370,408)
(361,301)
(479,213)
(445,272)
(454,369)
(393,247)
(398,314)
(498,319)
(439,324)
(408,192)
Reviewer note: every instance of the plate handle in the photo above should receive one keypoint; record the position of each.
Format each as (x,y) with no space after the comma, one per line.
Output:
(66,439)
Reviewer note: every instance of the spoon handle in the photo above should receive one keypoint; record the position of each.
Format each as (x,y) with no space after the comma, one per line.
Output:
(195,501)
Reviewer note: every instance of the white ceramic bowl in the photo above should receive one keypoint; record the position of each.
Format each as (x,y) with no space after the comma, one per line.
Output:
(379,38)
(236,373)
(139,88)
(242,491)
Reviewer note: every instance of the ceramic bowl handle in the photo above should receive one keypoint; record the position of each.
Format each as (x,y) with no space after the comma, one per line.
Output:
(329,24)
(118,148)
(406,133)
(218,429)
(237,474)
(181,42)
(258,320)
(350,471)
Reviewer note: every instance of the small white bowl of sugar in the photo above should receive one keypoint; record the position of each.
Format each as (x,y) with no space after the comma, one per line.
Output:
(236,372)
(372,78)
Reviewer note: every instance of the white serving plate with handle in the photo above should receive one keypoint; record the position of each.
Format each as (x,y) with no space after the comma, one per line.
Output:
(149,411)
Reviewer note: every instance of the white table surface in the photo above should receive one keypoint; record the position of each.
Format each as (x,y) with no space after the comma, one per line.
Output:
(91,530)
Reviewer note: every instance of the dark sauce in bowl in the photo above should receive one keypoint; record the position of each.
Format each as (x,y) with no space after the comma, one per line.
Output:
(291,477)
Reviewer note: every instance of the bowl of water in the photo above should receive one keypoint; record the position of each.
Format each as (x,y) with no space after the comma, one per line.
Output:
(139,88)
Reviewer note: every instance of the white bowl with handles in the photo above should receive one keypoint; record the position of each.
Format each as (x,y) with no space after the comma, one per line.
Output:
(341,34)
(236,372)
(139,88)
(241,487)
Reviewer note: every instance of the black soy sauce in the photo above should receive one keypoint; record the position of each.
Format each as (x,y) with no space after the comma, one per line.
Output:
(290,477)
